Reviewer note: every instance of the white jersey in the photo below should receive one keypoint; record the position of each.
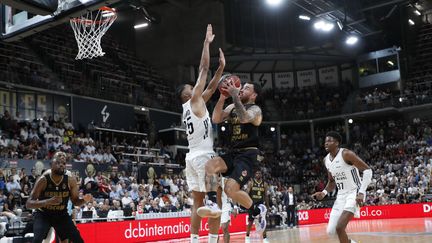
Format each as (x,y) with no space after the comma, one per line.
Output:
(346,176)
(199,132)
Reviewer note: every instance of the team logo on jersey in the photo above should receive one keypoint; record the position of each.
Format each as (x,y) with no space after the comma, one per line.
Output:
(244,173)
(64,186)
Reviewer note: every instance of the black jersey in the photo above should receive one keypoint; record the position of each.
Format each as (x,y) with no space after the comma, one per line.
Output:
(257,192)
(56,190)
(242,135)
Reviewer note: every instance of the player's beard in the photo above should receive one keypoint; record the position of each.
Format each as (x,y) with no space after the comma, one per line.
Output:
(58,172)
(244,99)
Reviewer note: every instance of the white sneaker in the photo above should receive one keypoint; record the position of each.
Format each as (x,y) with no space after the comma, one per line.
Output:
(266,240)
(261,222)
(210,210)
(263,210)
(247,239)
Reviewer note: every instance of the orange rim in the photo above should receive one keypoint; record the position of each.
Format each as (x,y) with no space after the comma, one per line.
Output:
(88,21)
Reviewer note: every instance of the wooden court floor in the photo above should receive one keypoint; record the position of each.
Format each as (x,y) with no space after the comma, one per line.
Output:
(414,230)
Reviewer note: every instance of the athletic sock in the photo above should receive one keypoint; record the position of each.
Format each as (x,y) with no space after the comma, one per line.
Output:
(212,196)
(213,238)
(194,238)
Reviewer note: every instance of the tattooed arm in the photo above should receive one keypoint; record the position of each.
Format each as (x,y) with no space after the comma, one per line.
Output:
(252,115)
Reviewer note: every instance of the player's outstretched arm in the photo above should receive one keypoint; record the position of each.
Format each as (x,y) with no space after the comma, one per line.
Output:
(196,99)
(33,202)
(219,114)
(74,194)
(212,86)
(356,161)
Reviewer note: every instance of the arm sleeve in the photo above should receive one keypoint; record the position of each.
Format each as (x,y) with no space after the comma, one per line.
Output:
(367,178)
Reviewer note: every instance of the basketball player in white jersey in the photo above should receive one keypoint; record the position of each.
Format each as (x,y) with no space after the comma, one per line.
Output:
(196,119)
(343,168)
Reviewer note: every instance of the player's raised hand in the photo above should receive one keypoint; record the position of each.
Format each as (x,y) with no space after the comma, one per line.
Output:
(231,88)
(224,90)
(209,35)
(318,195)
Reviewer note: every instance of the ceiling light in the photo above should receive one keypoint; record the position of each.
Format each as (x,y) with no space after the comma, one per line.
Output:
(339,24)
(274,2)
(411,22)
(323,25)
(351,40)
(143,25)
(304,17)
(390,63)
(417,12)
(328,26)
(319,24)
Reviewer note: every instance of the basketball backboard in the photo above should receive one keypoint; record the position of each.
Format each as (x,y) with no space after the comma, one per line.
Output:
(21,18)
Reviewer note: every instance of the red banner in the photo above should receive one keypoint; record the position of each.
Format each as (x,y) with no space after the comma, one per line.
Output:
(149,230)
(176,228)
(316,216)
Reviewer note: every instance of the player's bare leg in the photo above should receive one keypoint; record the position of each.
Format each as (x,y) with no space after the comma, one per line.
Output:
(341,226)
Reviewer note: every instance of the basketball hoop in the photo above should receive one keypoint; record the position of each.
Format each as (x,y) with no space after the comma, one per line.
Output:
(89,29)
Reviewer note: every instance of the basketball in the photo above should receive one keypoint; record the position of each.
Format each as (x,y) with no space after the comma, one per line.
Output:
(232,78)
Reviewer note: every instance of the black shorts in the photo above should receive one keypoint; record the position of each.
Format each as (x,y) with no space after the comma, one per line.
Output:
(62,224)
(241,164)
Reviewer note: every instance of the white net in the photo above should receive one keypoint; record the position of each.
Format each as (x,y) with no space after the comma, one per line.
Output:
(89,30)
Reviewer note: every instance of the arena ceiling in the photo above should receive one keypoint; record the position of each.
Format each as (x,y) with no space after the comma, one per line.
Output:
(260,38)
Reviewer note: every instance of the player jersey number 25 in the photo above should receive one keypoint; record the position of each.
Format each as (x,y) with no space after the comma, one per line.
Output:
(190,128)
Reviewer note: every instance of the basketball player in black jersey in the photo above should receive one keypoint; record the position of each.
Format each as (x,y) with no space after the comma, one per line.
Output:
(50,197)
(243,119)
(257,190)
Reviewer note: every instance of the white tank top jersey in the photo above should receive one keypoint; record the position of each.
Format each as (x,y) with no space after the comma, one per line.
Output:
(346,176)
(199,132)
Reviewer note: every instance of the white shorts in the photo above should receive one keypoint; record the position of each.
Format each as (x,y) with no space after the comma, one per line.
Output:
(344,202)
(195,172)
(225,217)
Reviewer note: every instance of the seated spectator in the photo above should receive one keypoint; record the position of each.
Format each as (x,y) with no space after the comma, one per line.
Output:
(168,208)
(108,157)
(154,208)
(25,194)
(126,199)
(13,187)
(89,207)
(2,180)
(114,194)
(103,210)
